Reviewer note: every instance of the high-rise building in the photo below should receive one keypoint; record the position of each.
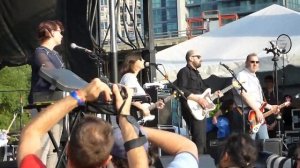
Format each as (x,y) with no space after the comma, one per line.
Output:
(182,19)
(211,14)
(241,7)
(169,18)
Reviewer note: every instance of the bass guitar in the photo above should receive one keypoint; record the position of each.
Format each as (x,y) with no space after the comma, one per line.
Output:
(196,109)
(254,124)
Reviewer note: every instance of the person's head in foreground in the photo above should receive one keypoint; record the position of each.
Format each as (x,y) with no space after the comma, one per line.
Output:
(239,151)
(90,143)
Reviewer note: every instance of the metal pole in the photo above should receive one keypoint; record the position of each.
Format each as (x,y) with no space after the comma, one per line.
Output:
(113,40)
(149,35)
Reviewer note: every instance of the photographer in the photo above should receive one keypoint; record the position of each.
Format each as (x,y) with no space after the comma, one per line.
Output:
(91,141)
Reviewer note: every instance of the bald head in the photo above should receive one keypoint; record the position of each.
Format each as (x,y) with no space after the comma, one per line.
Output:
(191,53)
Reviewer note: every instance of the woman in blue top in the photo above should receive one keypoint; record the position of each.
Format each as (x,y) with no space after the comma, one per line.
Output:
(49,34)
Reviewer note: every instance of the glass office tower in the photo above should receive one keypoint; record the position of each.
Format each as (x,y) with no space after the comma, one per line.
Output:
(165,18)
(240,7)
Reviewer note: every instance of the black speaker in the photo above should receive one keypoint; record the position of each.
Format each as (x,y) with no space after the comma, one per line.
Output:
(170,114)
(168,128)
(205,161)
(214,147)
(273,145)
(9,164)
(165,115)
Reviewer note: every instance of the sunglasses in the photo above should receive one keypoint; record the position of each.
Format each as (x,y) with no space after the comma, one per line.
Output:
(252,62)
(197,56)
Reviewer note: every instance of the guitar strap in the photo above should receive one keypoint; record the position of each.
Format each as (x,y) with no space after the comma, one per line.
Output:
(238,109)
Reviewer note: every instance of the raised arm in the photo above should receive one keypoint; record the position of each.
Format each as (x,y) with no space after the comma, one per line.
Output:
(30,142)
(137,157)
(171,143)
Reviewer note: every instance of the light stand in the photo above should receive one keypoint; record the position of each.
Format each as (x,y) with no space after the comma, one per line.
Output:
(276,53)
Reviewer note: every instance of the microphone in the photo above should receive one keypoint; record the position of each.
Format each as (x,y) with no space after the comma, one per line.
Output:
(74,46)
(148,64)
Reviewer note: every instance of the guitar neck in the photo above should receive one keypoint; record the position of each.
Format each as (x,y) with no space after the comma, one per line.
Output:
(268,113)
(213,97)
(165,100)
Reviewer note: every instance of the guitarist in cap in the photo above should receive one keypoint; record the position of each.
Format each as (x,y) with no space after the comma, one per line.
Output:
(190,82)
(253,98)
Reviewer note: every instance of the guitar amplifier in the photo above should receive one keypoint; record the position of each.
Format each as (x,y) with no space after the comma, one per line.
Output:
(168,128)
(167,115)
(292,137)
(296,119)
(273,145)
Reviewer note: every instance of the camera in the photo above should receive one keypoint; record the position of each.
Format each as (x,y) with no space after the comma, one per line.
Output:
(122,89)
(107,107)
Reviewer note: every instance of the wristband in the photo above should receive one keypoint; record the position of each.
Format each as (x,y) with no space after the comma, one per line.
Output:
(76,96)
(134,143)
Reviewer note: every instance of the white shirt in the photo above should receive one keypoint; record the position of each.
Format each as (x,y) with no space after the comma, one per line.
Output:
(130,80)
(251,84)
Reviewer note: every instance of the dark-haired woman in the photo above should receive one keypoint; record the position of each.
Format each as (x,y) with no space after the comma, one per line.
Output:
(132,65)
(49,35)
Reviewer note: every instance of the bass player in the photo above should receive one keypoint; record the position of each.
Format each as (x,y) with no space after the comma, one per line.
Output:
(253,98)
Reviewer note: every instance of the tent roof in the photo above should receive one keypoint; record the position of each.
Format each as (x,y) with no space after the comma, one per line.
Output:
(231,43)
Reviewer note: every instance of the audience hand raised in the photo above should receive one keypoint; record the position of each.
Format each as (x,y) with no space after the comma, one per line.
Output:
(96,87)
(123,106)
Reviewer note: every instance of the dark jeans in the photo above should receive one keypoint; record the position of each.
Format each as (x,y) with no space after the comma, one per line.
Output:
(197,129)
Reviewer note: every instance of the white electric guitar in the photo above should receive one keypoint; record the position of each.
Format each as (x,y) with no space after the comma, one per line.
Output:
(197,111)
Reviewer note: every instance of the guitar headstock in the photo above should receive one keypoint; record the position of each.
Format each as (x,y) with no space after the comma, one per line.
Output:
(236,84)
(177,93)
(287,103)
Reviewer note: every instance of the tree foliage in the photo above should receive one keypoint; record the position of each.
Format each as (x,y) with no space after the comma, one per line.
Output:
(14,89)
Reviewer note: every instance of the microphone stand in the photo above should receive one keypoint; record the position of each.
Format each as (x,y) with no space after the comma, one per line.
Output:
(172,84)
(275,58)
(242,88)
(99,63)
(178,91)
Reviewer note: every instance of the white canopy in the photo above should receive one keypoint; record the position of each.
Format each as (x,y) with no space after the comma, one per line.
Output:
(231,43)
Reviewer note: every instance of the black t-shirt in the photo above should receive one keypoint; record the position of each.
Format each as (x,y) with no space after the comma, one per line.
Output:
(190,81)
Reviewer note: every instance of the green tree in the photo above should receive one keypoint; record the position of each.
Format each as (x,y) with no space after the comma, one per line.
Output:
(14,89)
